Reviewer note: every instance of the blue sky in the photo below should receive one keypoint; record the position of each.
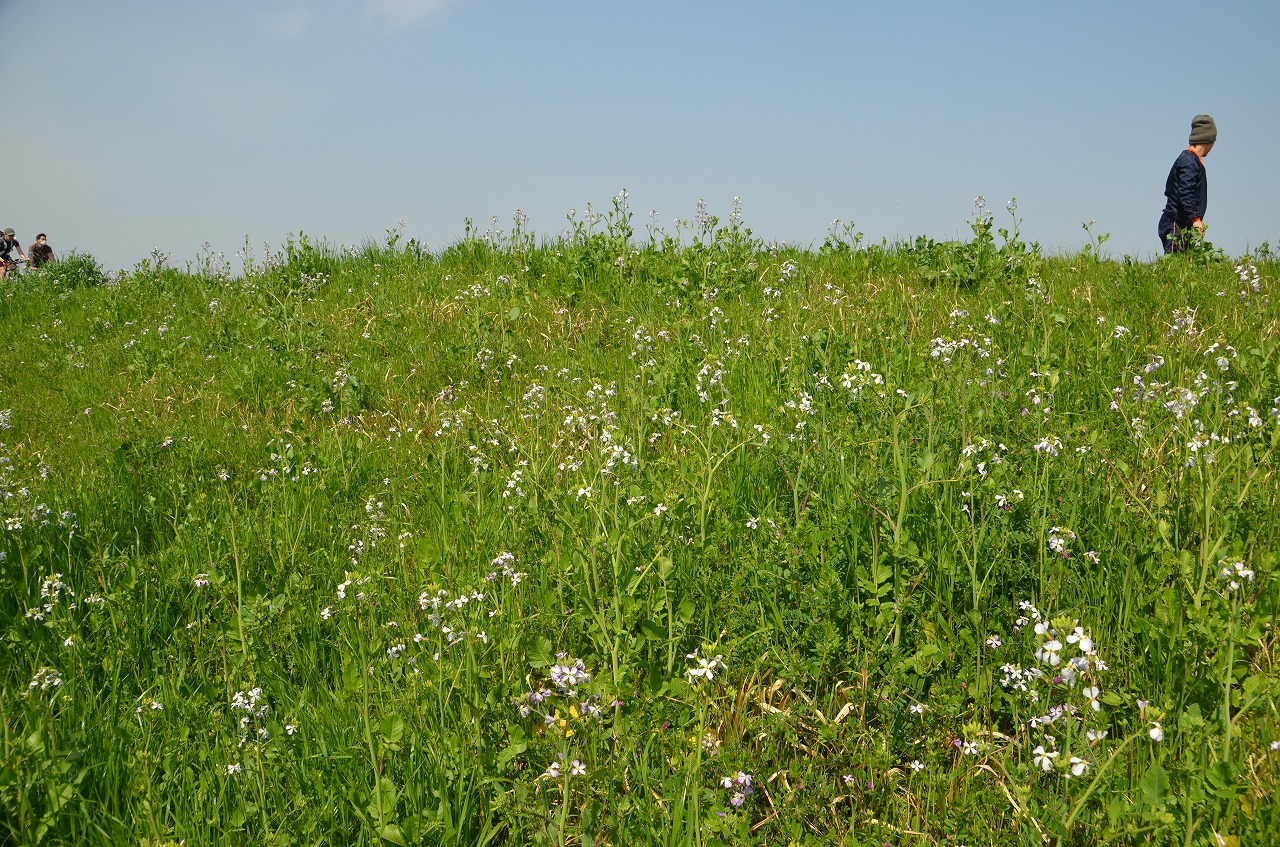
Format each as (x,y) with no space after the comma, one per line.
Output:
(141,124)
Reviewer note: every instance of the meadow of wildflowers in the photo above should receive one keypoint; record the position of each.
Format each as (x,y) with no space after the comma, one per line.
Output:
(671,538)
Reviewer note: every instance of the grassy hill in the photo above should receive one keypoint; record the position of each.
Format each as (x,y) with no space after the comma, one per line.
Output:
(686,539)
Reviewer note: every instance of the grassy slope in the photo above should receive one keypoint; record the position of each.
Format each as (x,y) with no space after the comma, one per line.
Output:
(389,422)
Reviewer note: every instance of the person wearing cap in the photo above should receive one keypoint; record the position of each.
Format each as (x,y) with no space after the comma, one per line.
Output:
(1187,188)
(7,245)
(40,253)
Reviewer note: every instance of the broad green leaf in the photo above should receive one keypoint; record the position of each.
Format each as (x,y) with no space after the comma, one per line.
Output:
(1154,786)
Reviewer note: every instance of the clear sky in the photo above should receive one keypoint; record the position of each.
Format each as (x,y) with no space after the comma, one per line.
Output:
(135,124)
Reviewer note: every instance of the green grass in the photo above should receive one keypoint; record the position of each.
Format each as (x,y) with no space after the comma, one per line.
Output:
(285,555)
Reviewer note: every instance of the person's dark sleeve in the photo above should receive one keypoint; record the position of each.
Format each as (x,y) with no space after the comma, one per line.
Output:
(1187,195)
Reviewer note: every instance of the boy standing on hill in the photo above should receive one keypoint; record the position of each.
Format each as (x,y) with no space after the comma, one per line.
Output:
(1187,188)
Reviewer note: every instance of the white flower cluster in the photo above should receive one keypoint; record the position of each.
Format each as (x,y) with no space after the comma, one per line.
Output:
(280,465)
(703,668)
(1203,445)
(505,565)
(1020,679)
(1050,444)
(52,590)
(1236,574)
(984,458)
(568,673)
(945,349)
(45,679)
(1059,538)
(1058,656)
(555,771)
(1184,325)
(740,785)
(1067,656)
(858,377)
(566,676)
(459,628)
(711,376)
(1044,760)
(1250,280)
(351,580)
(1003,501)
(593,431)
(253,703)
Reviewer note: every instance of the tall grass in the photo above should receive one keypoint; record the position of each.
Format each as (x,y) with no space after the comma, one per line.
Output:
(684,540)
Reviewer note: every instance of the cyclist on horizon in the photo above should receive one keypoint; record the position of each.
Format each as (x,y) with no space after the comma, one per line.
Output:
(7,245)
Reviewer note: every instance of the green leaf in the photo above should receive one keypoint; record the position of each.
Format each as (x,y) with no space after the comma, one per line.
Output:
(392,728)
(1154,785)
(1222,777)
(393,833)
(515,748)
(1191,718)
(921,662)
(352,675)
(387,793)
(686,610)
(652,631)
(540,652)
(59,795)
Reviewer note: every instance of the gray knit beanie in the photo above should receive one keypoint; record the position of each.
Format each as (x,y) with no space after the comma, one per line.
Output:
(1203,130)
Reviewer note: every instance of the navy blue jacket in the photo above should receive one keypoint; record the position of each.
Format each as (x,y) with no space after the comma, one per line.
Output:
(1186,190)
